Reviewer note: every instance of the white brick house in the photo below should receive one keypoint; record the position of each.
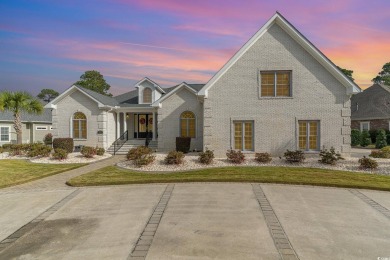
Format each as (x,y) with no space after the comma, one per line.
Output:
(277,92)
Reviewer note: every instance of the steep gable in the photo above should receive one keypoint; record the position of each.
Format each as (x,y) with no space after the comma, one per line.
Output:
(278,19)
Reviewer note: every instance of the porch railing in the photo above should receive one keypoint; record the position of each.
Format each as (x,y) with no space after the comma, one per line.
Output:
(120,141)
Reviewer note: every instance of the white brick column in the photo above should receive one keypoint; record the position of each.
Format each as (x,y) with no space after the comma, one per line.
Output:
(154,126)
(117,125)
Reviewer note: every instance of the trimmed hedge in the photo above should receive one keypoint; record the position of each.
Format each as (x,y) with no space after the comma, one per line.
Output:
(183,144)
(365,140)
(88,151)
(356,137)
(381,139)
(64,143)
(60,154)
(294,156)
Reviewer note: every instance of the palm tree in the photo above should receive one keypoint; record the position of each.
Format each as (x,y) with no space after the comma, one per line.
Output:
(18,102)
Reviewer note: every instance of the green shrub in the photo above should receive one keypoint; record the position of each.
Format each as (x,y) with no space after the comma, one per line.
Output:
(263,157)
(19,149)
(206,157)
(381,139)
(60,154)
(39,150)
(174,157)
(183,144)
(294,156)
(6,147)
(373,134)
(356,137)
(387,136)
(376,154)
(366,140)
(100,151)
(386,152)
(63,143)
(234,156)
(2,150)
(88,151)
(141,155)
(367,163)
(330,157)
(48,139)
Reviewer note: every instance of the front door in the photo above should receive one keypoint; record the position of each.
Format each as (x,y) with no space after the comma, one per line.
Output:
(143,126)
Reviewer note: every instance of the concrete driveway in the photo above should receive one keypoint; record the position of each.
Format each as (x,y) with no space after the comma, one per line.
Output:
(195,221)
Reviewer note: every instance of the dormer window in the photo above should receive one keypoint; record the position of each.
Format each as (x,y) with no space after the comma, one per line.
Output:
(147,95)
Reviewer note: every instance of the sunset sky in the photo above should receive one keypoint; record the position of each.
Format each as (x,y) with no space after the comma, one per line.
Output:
(49,44)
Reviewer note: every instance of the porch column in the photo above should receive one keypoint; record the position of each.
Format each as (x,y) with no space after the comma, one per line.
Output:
(154,126)
(118,128)
(125,121)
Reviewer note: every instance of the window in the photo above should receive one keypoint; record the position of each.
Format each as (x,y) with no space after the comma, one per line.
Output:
(309,135)
(79,126)
(187,124)
(275,83)
(51,128)
(243,135)
(4,134)
(41,128)
(147,95)
(364,126)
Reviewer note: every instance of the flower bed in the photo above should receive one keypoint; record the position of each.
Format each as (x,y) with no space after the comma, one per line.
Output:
(72,158)
(191,162)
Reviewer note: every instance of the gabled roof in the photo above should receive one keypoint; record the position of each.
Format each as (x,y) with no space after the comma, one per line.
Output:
(191,87)
(102,100)
(277,18)
(372,103)
(152,82)
(45,117)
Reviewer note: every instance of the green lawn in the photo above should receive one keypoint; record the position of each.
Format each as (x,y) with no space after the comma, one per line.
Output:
(112,175)
(14,172)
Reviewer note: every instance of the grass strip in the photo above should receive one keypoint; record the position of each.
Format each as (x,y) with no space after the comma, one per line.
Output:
(113,175)
(14,172)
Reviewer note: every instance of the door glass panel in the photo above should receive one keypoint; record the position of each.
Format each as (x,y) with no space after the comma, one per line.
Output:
(313,136)
(142,123)
(183,127)
(302,135)
(248,136)
(150,123)
(238,136)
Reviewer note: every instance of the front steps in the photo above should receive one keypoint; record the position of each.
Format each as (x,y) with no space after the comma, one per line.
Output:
(132,144)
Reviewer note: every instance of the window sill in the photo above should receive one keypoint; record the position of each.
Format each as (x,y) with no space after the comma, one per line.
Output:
(79,139)
(275,97)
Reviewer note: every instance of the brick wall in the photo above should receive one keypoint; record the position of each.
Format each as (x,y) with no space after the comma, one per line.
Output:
(374,124)
(316,95)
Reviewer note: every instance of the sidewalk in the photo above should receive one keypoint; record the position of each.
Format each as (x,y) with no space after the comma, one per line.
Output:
(56,182)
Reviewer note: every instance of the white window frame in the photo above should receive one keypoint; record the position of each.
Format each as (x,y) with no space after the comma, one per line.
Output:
(40,128)
(243,122)
(9,134)
(362,123)
(196,124)
(307,149)
(275,83)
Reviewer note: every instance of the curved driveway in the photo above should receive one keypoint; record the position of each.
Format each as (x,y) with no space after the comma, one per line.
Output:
(194,221)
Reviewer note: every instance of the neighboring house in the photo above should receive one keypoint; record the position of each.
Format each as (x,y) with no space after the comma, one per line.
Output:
(34,127)
(370,109)
(277,92)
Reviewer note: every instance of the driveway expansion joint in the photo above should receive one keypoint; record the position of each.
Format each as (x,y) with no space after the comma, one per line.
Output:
(33,223)
(281,241)
(145,239)
(375,205)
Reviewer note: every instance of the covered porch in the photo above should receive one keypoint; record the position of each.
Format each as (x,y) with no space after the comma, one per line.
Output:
(136,124)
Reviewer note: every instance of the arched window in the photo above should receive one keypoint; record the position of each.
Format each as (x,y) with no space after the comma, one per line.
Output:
(79,126)
(187,124)
(147,95)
